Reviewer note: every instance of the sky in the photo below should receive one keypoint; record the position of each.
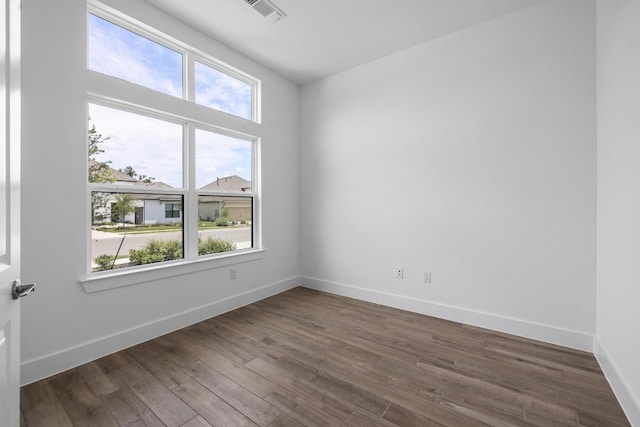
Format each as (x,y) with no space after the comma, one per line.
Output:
(126,55)
(151,146)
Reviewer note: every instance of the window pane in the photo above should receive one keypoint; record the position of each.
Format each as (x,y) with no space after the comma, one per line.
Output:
(121,53)
(225,224)
(172,210)
(131,229)
(131,149)
(222,92)
(223,163)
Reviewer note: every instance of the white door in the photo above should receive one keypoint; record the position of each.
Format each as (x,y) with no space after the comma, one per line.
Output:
(9,212)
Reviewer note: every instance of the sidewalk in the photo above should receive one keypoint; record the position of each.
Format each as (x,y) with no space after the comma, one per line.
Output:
(95,234)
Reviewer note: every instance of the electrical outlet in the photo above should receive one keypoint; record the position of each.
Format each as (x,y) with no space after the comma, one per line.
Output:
(399,273)
(233,274)
(427,277)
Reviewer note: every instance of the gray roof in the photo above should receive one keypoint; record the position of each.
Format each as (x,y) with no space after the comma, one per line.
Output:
(122,177)
(155,184)
(228,184)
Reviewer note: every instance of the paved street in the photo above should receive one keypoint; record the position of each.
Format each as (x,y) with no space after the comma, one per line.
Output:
(107,243)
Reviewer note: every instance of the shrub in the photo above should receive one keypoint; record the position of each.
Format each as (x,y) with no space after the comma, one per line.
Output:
(212,246)
(104,261)
(222,221)
(156,251)
(167,250)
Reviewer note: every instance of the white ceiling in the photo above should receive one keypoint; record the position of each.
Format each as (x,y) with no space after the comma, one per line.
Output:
(323,37)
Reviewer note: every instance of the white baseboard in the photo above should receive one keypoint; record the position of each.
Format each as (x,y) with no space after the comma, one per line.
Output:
(43,367)
(564,337)
(628,401)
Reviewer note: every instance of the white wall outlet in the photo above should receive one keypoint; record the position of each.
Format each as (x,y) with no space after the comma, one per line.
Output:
(427,277)
(399,273)
(233,274)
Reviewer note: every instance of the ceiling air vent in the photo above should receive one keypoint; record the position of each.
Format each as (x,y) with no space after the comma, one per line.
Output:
(267,9)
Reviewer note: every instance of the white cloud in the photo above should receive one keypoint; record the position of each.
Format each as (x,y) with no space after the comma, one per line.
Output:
(220,156)
(150,146)
(128,56)
(218,90)
(153,147)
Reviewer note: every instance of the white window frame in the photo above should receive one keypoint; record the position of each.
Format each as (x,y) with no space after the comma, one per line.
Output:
(115,93)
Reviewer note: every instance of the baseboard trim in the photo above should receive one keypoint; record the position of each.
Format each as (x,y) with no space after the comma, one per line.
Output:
(628,401)
(565,337)
(45,366)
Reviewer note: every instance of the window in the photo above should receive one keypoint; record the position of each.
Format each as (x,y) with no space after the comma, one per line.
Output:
(218,90)
(137,148)
(146,61)
(172,210)
(164,184)
(121,53)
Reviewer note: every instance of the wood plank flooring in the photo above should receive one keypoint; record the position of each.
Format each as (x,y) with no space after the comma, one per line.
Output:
(307,358)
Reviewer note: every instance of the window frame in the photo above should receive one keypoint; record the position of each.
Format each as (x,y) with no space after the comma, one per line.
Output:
(172,211)
(113,92)
(189,54)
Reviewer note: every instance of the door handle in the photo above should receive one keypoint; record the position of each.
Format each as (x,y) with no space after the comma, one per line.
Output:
(19,290)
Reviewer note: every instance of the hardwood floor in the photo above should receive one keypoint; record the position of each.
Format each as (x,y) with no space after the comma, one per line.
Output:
(306,358)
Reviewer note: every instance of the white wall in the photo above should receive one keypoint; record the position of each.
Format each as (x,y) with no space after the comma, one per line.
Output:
(473,157)
(618,330)
(64,326)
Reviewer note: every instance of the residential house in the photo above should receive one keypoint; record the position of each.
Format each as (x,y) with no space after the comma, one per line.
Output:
(238,209)
(150,209)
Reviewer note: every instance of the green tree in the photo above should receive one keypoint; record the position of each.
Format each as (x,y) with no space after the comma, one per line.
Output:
(146,179)
(124,205)
(129,171)
(133,174)
(100,173)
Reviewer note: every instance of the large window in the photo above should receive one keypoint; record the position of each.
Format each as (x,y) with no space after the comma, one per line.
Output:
(147,60)
(164,184)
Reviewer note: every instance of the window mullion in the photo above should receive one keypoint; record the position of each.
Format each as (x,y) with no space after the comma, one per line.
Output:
(189,77)
(191,218)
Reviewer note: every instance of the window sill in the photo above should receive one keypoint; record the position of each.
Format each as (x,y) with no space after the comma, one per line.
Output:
(105,281)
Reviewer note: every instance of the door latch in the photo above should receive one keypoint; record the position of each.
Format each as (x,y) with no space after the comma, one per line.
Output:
(19,290)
